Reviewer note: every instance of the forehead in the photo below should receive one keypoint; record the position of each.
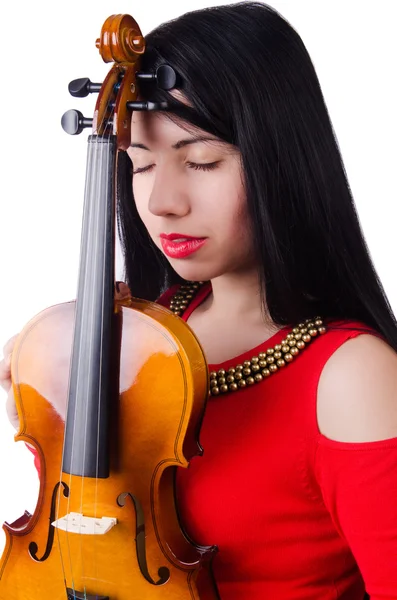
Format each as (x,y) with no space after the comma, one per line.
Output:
(153,126)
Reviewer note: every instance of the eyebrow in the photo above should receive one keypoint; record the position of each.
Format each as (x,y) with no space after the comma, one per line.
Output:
(181,143)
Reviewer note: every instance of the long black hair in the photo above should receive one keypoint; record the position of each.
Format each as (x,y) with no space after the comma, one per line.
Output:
(249,80)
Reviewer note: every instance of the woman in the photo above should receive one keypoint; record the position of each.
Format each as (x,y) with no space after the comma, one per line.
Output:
(296,483)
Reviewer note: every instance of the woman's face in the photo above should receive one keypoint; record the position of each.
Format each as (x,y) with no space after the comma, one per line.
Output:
(187,187)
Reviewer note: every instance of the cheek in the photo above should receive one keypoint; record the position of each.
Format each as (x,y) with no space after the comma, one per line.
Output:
(240,226)
(140,191)
(232,210)
(141,195)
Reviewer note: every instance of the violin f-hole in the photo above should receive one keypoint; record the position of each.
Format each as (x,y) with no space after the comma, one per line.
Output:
(163,572)
(33,547)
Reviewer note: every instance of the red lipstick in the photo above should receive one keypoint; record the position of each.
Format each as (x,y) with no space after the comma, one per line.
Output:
(179,245)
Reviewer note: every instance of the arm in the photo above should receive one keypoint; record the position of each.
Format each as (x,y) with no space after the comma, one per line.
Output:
(356,460)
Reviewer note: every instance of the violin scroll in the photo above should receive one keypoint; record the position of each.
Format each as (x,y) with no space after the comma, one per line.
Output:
(121,40)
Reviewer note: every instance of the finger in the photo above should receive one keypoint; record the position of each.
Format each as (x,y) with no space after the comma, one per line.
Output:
(5,374)
(122,290)
(9,345)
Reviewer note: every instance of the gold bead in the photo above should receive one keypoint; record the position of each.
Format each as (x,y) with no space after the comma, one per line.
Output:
(301,345)
(288,357)
(262,364)
(224,388)
(214,391)
(318,322)
(294,351)
(221,372)
(270,360)
(239,368)
(247,364)
(277,347)
(281,363)
(273,368)
(238,376)
(262,356)
(313,332)
(322,330)
(213,375)
(231,371)
(242,383)
(221,381)
(266,373)
(255,368)
(230,378)
(277,354)
(258,377)
(233,387)
(250,380)
(247,371)
(270,351)
(213,383)
(285,349)
(306,337)
(254,360)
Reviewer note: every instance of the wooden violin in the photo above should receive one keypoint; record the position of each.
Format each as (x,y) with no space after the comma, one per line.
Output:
(110,391)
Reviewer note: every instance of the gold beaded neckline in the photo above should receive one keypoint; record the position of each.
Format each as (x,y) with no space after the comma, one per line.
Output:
(259,367)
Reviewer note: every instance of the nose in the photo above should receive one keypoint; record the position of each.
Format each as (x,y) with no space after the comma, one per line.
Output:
(169,195)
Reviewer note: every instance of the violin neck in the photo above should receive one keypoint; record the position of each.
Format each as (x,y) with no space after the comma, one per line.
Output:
(87,431)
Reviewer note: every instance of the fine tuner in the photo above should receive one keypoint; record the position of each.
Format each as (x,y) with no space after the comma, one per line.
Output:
(73,121)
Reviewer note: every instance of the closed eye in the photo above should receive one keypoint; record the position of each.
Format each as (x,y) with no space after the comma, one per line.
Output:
(191,165)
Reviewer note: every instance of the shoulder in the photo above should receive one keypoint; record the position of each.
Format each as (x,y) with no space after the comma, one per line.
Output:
(357,391)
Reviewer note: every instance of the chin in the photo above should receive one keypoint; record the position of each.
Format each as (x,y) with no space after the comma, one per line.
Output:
(192,272)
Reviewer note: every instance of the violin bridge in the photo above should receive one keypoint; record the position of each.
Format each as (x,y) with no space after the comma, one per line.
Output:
(78,523)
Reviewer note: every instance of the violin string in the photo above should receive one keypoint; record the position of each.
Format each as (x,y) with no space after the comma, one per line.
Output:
(85,287)
(95,213)
(104,150)
(98,306)
(82,299)
(104,153)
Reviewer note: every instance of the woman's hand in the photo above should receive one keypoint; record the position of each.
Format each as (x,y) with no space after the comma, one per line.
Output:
(5,382)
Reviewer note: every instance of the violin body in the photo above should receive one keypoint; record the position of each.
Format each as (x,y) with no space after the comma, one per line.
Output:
(156,408)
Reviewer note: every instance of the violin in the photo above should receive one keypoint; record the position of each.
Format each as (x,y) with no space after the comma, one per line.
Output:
(110,391)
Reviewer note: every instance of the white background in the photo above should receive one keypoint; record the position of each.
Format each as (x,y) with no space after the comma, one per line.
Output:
(45,45)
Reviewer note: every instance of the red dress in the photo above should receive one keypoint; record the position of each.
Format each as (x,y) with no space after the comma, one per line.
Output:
(295,516)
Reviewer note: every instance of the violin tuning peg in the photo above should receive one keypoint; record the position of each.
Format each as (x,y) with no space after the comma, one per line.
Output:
(166,77)
(143,105)
(73,122)
(79,88)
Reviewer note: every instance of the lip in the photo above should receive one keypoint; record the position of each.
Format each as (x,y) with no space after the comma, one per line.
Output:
(175,236)
(180,249)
